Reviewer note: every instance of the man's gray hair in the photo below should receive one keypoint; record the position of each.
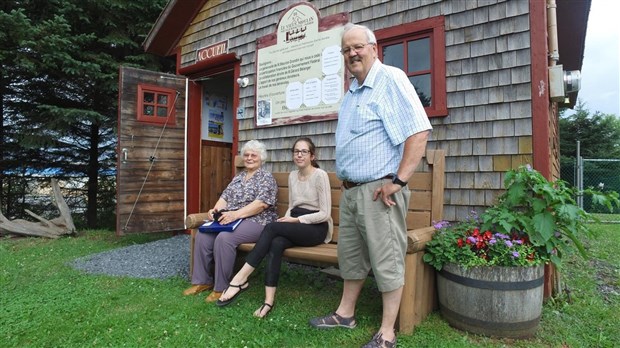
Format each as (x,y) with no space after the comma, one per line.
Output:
(256,146)
(370,36)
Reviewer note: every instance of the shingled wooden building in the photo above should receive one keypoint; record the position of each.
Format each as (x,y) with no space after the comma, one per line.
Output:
(491,74)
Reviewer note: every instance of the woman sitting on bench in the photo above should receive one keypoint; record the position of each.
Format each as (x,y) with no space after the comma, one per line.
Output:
(307,223)
(251,196)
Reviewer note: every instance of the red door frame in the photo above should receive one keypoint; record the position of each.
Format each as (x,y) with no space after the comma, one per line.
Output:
(204,68)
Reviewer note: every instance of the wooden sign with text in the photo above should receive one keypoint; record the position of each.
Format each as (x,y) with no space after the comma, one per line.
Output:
(212,51)
(300,73)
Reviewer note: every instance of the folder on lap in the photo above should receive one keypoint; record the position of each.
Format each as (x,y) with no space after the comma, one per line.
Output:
(215,226)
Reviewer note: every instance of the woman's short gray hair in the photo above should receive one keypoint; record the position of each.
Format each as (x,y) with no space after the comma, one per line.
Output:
(370,36)
(256,146)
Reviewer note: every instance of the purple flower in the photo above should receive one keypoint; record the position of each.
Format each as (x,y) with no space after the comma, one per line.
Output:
(492,241)
(518,241)
(471,239)
(501,236)
(473,216)
(441,224)
(515,254)
(508,243)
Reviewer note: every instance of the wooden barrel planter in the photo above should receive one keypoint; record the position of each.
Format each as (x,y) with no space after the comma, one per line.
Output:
(492,301)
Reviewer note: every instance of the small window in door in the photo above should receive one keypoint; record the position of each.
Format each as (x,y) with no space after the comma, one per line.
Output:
(156,105)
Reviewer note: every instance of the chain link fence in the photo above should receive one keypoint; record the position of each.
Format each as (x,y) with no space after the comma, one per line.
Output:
(600,174)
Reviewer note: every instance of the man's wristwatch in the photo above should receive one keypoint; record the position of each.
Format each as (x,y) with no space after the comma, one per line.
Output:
(397,181)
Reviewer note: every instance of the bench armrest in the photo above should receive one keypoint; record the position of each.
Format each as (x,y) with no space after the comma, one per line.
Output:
(417,239)
(195,220)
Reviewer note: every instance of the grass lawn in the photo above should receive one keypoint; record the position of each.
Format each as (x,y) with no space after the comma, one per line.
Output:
(46,303)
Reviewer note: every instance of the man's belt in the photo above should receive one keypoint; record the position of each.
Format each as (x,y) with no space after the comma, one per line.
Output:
(350,184)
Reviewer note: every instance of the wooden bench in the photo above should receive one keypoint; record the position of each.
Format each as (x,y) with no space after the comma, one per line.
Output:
(425,207)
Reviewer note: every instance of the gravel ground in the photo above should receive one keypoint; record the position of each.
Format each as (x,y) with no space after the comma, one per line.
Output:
(160,259)
(165,258)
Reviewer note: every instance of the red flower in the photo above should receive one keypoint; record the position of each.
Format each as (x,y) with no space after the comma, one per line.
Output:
(460,242)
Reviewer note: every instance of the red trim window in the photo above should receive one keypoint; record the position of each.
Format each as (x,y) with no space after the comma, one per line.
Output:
(419,50)
(156,105)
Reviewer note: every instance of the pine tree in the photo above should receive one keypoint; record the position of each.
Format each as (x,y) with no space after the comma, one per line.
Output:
(60,84)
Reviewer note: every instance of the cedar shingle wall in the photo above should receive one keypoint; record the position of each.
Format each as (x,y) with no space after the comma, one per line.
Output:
(488,129)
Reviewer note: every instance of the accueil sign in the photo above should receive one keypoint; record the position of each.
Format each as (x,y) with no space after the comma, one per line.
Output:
(212,51)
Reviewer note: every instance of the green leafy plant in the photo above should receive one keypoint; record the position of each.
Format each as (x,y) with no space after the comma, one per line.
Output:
(534,221)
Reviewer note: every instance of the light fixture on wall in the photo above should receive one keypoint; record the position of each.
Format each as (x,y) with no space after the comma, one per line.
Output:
(243,82)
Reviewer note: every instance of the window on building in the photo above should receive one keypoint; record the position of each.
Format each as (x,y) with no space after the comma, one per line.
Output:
(156,105)
(419,50)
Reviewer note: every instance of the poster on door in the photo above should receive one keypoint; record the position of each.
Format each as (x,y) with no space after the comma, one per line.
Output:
(216,124)
(216,117)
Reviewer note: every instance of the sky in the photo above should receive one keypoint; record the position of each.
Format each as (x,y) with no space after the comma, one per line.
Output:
(600,73)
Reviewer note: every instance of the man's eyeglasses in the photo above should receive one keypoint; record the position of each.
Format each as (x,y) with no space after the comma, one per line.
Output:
(357,48)
(303,152)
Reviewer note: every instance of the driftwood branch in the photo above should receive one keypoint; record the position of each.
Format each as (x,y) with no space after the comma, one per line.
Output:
(54,228)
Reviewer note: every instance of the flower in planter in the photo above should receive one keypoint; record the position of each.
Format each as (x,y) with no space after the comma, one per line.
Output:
(534,221)
(467,244)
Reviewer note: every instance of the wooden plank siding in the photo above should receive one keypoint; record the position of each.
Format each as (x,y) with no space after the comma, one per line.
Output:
(150,195)
(488,79)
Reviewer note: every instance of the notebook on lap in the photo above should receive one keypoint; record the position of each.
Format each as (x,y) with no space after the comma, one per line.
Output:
(214,226)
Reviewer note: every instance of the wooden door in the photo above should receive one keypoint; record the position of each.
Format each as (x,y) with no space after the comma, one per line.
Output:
(151,152)
(215,172)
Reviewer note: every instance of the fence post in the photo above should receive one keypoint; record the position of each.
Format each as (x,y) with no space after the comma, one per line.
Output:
(579,176)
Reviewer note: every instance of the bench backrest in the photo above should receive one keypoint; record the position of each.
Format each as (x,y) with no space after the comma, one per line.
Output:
(426,185)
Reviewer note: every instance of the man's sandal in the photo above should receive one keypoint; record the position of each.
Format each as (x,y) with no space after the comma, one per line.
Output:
(377,341)
(333,320)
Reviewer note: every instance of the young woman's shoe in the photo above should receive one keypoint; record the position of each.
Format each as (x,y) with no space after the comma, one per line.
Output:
(241,288)
(259,312)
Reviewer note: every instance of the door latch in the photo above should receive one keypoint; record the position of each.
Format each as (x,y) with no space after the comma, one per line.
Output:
(124,156)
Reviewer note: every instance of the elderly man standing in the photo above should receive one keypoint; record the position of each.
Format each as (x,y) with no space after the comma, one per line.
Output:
(380,139)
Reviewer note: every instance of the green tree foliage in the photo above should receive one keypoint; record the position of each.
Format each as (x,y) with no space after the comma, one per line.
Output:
(599,134)
(59,84)
(599,137)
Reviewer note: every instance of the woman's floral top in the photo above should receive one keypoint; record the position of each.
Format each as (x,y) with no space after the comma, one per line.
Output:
(261,186)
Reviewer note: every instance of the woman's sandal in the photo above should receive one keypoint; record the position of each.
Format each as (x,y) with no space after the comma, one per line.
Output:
(260,310)
(222,303)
